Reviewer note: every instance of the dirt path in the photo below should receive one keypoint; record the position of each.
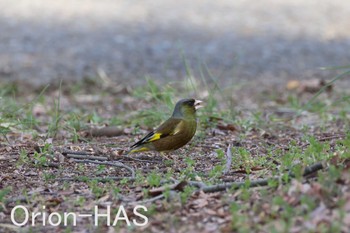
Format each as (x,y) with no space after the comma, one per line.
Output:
(42,41)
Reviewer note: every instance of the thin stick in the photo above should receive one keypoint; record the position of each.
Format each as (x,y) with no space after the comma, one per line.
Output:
(263,182)
(20,198)
(89,157)
(331,137)
(114,164)
(99,179)
(153,199)
(72,152)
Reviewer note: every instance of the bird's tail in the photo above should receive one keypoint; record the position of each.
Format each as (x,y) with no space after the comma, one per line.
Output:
(136,150)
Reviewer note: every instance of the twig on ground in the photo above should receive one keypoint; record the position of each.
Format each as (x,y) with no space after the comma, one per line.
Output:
(255,183)
(114,164)
(73,152)
(328,138)
(93,156)
(197,184)
(332,137)
(20,198)
(153,199)
(52,164)
(99,179)
(310,169)
(89,157)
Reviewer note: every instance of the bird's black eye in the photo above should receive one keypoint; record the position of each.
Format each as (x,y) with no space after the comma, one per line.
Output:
(190,102)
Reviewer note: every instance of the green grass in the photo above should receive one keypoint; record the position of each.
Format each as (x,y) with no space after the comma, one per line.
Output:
(153,179)
(278,207)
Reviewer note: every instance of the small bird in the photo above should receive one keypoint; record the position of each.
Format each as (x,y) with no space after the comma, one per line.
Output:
(175,132)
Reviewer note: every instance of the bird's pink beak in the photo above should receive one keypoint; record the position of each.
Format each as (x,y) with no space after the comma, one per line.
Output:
(198,104)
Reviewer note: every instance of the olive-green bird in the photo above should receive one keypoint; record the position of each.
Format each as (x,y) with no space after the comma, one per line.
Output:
(175,132)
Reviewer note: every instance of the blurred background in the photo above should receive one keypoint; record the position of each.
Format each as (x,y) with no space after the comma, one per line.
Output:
(267,41)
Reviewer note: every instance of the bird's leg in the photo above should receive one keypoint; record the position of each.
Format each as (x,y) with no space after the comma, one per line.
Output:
(167,158)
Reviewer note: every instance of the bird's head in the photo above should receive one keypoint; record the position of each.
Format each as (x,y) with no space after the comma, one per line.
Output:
(187,108)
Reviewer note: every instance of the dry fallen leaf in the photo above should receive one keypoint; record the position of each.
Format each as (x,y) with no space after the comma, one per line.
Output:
(310,85)
(199,203)
(293,84)
(178,186)
(31,173)
(229,127)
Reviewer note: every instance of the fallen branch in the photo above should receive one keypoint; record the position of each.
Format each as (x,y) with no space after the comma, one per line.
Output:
(89,157)
(171,196)
(114,164)
(309,169)
(255,183)
(236,185)
(153,199)
(73,152)
(99,179)
(340,136)
(328,138)
(197,184)
(20,198)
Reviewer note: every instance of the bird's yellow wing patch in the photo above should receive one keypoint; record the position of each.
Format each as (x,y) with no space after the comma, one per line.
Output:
(154,137)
